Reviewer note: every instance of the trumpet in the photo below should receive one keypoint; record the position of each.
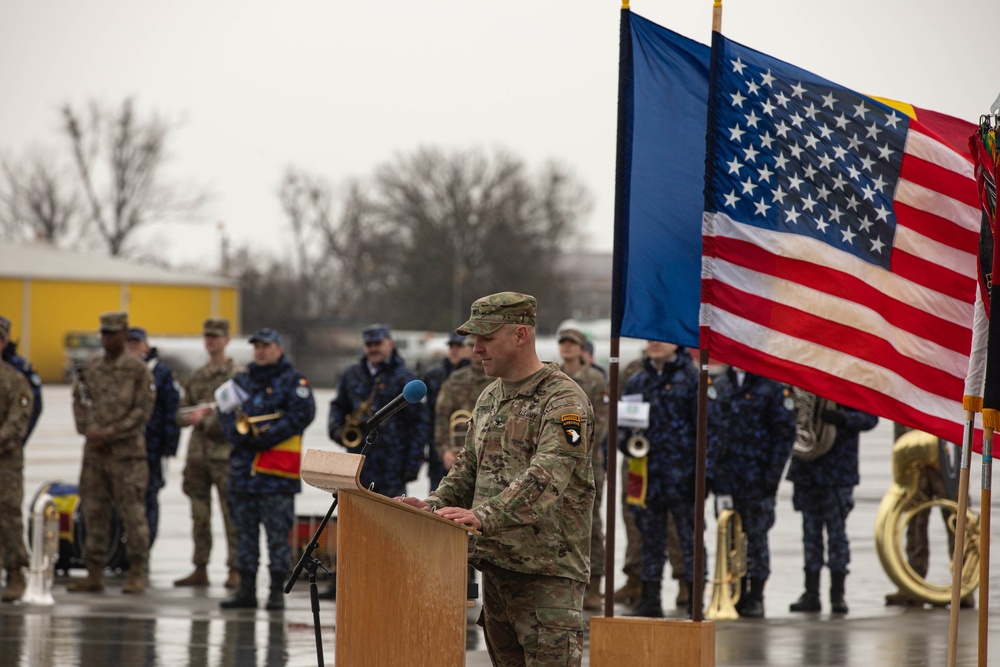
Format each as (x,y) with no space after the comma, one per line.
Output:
(458,427)
(195,408)
(637,445)
(730,567)
(246,424)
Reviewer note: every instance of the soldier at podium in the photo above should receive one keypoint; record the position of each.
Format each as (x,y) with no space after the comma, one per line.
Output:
(525,481)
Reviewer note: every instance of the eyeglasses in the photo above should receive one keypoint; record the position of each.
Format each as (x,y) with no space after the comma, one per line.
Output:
(109,332)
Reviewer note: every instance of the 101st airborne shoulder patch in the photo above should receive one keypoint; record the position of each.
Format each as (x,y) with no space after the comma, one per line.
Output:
(571,427)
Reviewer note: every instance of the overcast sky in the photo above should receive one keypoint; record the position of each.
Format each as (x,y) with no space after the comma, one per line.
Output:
(337,87)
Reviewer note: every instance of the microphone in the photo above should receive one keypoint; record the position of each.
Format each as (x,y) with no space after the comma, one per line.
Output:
(413,392)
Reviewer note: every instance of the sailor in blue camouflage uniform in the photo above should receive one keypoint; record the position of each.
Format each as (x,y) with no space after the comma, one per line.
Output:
(751,432)
(8,351)
(397,453)
(162,431)
(668,381)
(824,492)
(457,357)
(264,465)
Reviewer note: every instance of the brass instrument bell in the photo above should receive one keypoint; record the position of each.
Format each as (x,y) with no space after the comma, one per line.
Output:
(458,427)
(637,445)
(246,424)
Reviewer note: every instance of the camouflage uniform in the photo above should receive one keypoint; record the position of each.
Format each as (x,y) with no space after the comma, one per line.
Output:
(435,379)
(459,392)
(397,453)
(11,356)
(162,435)
(115,472)
(751,433)
(15,413)
(207,464)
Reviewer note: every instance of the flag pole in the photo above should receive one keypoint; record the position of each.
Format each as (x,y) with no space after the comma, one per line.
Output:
(957,560)
(984,546)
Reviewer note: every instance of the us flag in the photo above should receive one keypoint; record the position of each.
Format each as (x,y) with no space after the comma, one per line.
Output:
(839,242)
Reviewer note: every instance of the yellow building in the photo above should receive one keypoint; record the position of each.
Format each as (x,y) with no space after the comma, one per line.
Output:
(49,294)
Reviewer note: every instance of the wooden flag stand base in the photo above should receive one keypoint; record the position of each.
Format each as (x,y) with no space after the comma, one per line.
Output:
(663,642)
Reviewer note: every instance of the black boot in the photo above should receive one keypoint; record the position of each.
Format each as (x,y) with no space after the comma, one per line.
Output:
(649,605)
(330,592)
(744,594)
(809,601)
(276,596)
(754,605)
(837,603)
(245,596)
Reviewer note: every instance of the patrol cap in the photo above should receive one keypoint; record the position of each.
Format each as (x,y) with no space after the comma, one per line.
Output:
(4,327)
(114,322)
(573,335)
(216,326)
(137,333)
(376,333)
(492,312)
(456,339)
(265,335)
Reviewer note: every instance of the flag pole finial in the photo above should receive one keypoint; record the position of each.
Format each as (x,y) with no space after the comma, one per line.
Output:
(624,4)
(716,15)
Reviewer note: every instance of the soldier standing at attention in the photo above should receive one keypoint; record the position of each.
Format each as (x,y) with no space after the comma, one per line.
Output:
(162,432)
(595,385)
(8,351)
(459,392)
(207,463)
(525,481)
(113,397)
(15,413)
(752,430)
(264,465)
(457,357)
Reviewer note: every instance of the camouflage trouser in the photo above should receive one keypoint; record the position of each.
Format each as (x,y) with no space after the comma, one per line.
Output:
(153,486)
(597,525)
(200,475)
(532,620)
(918,551)
(824,506)
(12,547)
(276,511)
(757,516)
(107,484)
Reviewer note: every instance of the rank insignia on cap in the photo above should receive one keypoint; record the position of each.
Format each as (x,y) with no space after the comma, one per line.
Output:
(24,400)
(571,427)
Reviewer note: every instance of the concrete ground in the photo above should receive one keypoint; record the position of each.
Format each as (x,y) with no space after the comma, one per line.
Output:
(172,626)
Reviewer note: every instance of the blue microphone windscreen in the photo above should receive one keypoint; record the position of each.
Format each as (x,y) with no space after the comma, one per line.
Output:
(414,391)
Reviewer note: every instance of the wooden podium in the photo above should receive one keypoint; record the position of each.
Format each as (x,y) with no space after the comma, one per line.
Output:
(401,573)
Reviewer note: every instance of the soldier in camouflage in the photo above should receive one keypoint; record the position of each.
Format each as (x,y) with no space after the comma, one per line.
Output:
(113,396)
(434,378)
(162,431)
(595,385)
(823,490)
(207,462)
(15,414)
(668,381)
(459,392)
(525,481)
(8,351)
(751,433)
(264,465)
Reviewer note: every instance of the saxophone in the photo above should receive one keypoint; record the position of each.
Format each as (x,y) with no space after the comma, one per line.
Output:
(813,436)
(353,430)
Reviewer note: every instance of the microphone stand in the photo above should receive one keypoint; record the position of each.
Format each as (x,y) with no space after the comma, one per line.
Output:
(311,564)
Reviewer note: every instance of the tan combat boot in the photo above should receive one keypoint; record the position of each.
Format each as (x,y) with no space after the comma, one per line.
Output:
(233,580)
(92,583)
(197,578)
(630,593)
(592,600)
(15,585)
(136,580)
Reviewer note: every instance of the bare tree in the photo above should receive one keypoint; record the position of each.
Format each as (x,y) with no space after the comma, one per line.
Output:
(119,158)
(35,202)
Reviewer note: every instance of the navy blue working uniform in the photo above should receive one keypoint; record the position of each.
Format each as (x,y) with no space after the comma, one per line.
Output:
(162,434)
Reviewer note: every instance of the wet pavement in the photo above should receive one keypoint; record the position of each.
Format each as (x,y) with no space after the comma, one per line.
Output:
(175,626)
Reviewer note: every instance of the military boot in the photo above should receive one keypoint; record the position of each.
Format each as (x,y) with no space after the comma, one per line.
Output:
(753,607)
(649,606)
(245,596)
(276,596)
(15,585)
(233,580)
(135,582)
(92,583)
(592,599)
(630,593)
(197,578)
(683,600)
(808,601)
(838,605)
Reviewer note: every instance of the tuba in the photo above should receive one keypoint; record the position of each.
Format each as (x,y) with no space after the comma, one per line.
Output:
(813,436)
(902,503)
(637,444)
(730,567)
(458,428)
